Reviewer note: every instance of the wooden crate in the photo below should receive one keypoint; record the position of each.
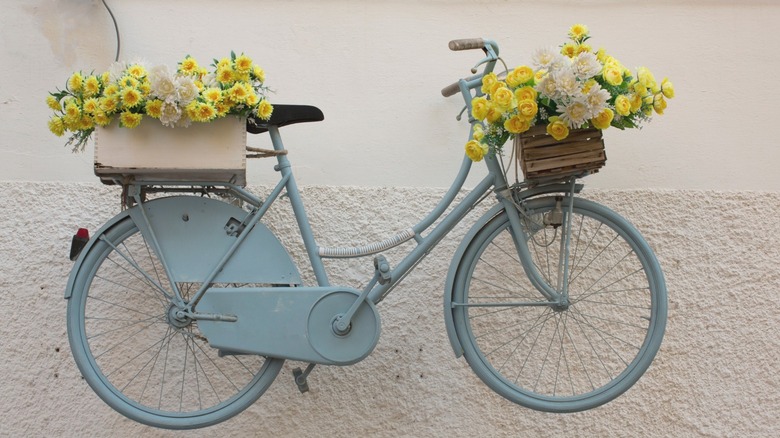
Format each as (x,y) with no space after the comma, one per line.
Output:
(214,151)
(543,157)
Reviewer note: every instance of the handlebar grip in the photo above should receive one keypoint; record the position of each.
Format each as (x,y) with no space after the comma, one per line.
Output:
(467,44)
(450,90)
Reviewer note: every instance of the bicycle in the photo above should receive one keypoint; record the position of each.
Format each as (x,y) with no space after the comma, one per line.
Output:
(182,309)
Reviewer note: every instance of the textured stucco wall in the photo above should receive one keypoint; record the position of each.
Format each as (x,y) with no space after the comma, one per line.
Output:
(716,374)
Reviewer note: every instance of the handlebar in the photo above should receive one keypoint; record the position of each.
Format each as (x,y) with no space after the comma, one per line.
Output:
(491,51)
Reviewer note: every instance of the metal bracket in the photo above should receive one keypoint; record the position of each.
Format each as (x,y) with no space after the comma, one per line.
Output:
(382,269)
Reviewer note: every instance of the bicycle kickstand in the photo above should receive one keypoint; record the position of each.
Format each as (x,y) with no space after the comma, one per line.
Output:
(300,377)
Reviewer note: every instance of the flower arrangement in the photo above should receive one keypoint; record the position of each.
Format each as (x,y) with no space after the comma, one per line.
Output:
(130,91)
(566,89)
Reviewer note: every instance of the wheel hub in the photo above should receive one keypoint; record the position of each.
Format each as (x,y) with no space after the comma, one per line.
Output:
(177,318)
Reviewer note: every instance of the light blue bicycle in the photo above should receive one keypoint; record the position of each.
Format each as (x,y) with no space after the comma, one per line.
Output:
(182,309)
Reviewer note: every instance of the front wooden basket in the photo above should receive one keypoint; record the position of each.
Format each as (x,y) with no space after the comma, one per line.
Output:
(214,151)
(542,157)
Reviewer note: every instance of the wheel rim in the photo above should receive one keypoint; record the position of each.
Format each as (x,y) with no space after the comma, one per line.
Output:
(139,357)
(571,357)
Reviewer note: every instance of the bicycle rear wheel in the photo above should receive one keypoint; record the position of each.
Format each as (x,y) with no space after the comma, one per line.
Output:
(137,356)
(560,358)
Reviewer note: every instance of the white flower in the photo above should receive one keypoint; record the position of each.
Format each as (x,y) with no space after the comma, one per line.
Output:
(575,114)
(116,70)
(586,65)
(547,87)
(186,89)
(170,114)
(163,85)
(566,82)
(596,99)
(543,58)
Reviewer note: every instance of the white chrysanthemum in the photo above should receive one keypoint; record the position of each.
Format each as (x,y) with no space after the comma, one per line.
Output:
(544,57)
(163,84)
(596,98)
(586,65)
(566,83)
(116,70)
(575,114)
(210,80)
(186,89)
(547,87)
(169,114)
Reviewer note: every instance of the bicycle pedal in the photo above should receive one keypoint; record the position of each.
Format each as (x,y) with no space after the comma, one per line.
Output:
(300,380)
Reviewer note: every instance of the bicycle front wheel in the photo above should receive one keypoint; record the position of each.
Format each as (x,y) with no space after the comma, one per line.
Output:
(137,356)
(566,356)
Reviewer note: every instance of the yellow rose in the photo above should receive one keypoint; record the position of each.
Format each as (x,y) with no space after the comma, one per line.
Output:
(517,124)
(493,114)
(659,103)
(623,105)
(525,93)
(636,102)
(645,77)
(601,55)
(603,120)
(519,76)
(488,81)
(478,132)
(667,88)
(503,98)
(527,109)
(129,120)
(588,85)
(479,108)
(540,74)
(476,150)
(557,129)
(613,75)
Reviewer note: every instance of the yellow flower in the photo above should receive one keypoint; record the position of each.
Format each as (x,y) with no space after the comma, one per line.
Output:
(243,64)
(479,108)
(264,110)
(129,120)
(100,118)
(251,98)
(76,82)
(224,62)
(72,112)
(85,123)
(659,103)
(91,105)
(212,94)
(578,32)
(583,48)
(130,97)
(476,150)
(667,88)
(53,103)
(111,90)
(488,81)
(493,114)
(588,85)
(91,86)
(237,93)
(206,112)
(636,102)
(479,133)
(601,55)
(145,88)
(154,108)
(503,98)
(645,77)
(222,108)
(569,49)
(527,109)
(525,93)
(613,75)
(258,73)
(604,119)
(517,124)
(622,105)
(105,77)
(519,76)
(57,126)
(225,75)
(128,82)
(137,71)
(109,104)
(540,74)
(189,66)
(557,128)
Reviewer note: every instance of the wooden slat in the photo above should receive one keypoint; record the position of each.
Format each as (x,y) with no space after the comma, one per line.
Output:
(541,156)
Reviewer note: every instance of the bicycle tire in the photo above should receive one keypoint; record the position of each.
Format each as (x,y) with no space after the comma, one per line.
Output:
(135,358)
(565,358)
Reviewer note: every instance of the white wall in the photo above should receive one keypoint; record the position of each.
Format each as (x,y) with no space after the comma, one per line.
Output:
(376,68)
(698,182)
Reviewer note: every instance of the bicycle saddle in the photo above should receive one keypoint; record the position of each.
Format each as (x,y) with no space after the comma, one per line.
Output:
(284,115)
